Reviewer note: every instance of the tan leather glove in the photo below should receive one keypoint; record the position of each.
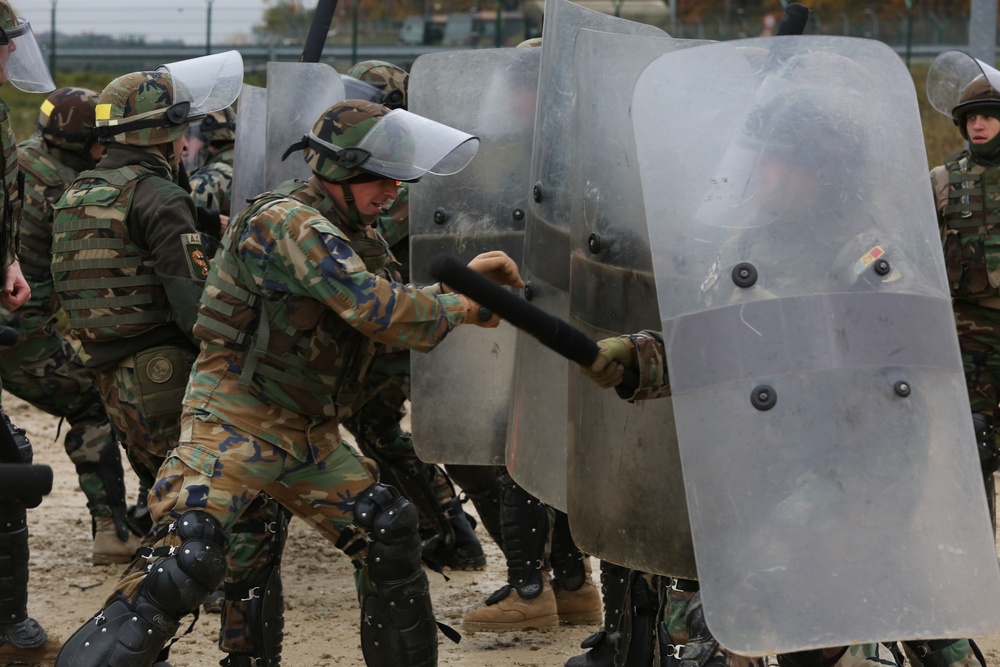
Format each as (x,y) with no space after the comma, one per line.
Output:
(498,267)
(473,314)
(613,356)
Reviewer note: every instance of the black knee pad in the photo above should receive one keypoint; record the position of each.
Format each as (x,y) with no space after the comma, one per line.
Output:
(391,522)
(398,625)
(131,634)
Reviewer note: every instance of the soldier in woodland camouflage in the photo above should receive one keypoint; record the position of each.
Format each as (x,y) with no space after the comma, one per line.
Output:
(129,269)
(44,367)
(968,206)
(209,162)
(298,302)
(21,637)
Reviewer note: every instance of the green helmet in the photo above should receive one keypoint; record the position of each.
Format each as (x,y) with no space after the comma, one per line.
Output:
(8,17)
(392,79)
(66,119)
(978,95)
(219,126)
(344,126)
(140,109)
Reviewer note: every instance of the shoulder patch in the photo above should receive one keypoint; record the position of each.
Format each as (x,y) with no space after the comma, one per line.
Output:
(195,252)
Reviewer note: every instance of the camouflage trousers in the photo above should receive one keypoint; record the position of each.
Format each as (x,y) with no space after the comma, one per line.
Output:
(45,370)
(676,624)
(148,442)
(979,340)
(374,423)
(220,470)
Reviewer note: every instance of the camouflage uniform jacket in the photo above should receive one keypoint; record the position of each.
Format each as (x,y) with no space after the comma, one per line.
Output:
(295,307)
(141,287)
(212,184)
(9,234)
(394,226)
(48,171)
(967,196)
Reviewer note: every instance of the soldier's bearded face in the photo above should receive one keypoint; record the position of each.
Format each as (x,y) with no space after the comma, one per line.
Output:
(981,128)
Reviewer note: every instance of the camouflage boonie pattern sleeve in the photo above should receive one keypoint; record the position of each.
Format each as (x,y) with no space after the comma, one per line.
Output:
(310,257)
(212,187)
(653,380)
(939,184)
(394,226)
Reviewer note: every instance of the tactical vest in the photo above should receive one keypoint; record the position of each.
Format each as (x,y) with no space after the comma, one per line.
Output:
(46,178)
(106,283)
(971,236)
(13,184)
(294,341)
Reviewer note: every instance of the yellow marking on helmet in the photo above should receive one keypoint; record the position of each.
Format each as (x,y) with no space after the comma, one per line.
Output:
(47,108)
(103,111)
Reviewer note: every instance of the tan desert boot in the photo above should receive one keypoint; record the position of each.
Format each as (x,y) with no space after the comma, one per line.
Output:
(108,548)
(507,611)
(582,606)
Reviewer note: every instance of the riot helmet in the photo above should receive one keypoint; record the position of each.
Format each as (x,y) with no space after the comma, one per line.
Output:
(148,108)
(217,130)
(391,79)
(21,60)
(356,139)
(66,119)
(958,84)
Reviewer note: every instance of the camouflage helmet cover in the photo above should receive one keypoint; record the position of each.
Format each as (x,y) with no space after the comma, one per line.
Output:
(391,78)
(139,109)
(8,18)
(343,125)
(66,118)
(219,126)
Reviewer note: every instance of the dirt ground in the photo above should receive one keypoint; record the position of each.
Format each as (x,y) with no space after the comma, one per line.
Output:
(321,618)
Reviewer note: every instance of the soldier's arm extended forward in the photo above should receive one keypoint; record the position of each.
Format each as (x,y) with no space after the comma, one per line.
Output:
(319,263)
(642,352)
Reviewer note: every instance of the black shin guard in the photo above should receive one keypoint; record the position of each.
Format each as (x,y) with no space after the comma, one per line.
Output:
(482,484)
(132,633)
(601,645)
(397,621)
(15,625)
(525,524)
(568,567)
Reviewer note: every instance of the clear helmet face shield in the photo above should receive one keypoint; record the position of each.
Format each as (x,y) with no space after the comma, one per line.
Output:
(404,146)
(949,75)
(208,83)
(356,89)
(196,145)
(21,60)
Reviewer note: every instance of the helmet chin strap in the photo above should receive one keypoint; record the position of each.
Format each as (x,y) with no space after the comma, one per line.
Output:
(353,214)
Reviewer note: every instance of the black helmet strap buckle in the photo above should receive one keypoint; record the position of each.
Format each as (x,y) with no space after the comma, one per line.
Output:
(348,158)
(178,113)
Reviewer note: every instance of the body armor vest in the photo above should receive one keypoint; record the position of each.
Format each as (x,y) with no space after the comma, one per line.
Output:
(13,184)
(970,233)
(107,284)
(46,178)
(294,341)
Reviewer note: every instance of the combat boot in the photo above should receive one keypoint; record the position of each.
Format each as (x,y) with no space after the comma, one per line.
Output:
(508,610)
(109,548)
(577,598)
(43,654)
(466,553)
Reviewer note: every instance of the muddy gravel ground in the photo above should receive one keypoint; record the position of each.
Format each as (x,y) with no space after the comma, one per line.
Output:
(321,618)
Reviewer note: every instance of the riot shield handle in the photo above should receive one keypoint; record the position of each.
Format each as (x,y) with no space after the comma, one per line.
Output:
(552,332)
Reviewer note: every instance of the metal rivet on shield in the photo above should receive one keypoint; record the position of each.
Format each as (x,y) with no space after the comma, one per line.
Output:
(744,274)
(536,192)
(528,293)
(517,214)
(882,267)
(902,388)
(594,243)
(440,216)
(763,397)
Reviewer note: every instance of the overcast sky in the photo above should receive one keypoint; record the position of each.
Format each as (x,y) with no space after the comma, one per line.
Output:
(154,19)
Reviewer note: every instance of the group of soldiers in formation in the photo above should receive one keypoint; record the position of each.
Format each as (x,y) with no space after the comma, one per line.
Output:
(223,347)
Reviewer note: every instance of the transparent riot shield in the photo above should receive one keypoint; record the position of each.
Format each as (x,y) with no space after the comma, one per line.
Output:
(297,93)
(625,499)
(491,94)
(537,427)
(250,147)
(829,461)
